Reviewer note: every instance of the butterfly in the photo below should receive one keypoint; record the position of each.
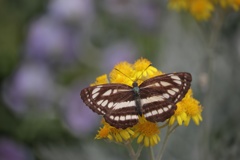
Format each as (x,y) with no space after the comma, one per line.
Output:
(155,99)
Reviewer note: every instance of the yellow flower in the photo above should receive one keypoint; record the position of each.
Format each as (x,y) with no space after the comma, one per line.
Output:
(146,132)
(235,4)
(122,73)
(178,4)
(143,69)
(188,108)
(127,73)
(179,115)
(100,80)
(193,111)
(201,9)
(114,134)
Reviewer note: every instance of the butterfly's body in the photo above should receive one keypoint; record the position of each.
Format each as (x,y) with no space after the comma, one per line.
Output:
(137,98)
(121,104)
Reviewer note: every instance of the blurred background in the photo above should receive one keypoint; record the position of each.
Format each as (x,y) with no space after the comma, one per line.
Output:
(51,49)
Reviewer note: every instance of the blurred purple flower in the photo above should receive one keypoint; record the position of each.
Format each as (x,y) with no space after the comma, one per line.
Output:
(48,40)
(119,8)
(147,15)
(10,150)
(117,52)
(78,117)
(32,83)
(80,11)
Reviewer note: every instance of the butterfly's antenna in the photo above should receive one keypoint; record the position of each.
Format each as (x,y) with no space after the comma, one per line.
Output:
(137,77)
(124,74)
(144,71)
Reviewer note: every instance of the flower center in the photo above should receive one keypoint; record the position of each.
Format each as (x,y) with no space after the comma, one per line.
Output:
(193,110)
(103,133)
(148,128)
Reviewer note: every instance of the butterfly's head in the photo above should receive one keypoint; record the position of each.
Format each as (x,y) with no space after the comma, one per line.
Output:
(134,84)
(135,88)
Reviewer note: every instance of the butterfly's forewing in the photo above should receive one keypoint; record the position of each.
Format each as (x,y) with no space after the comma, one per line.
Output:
(115,101)
(160,94)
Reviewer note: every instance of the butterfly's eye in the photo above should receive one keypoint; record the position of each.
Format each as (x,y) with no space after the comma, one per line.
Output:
(135,84)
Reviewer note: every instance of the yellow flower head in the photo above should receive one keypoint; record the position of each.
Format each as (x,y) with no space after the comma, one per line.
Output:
(127,73)
(144,70)
(113,134)
(235,4)
(147,132)
(178,4)
(179,115)
(201,9)
(100,80)
(188,108)
(122,73)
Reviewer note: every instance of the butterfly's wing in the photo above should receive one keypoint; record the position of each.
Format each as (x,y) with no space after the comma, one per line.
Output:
(114,101)
(160,94)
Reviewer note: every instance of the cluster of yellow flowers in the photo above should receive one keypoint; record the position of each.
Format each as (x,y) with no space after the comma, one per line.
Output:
(203,9)
(145,132)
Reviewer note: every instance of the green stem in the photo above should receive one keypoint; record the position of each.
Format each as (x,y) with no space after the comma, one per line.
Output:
(140,147)
(134,155)
(217,24)
(170,129)
(131,151)
(173,128)
(151,153)
(164,125)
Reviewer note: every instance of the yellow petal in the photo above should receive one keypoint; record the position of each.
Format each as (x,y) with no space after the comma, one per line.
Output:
(200,117)
(184,116)
(195,120)
(130,131)
(124,134)
(186,122)
(151,141)
(179,119)
(146,141)
(172,120)
(155,139)
(110,137)
(118,138)
(101,80)
(140,138)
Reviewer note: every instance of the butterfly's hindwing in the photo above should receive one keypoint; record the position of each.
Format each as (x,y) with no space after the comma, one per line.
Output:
(114,101)
(122,118)
(160,94)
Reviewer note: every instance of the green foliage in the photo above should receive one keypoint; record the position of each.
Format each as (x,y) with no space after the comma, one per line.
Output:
(42,130)
(14,16)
